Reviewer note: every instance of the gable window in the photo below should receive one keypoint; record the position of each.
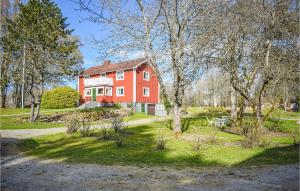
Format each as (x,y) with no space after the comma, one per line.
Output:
(146,92)
(100,91)
(108,91)
(120,91)
(87,92)
(86,77)
(103,75)
(146,76)
(120,75)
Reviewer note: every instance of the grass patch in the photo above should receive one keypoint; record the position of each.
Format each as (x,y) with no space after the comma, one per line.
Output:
(12,123)
(137,116)
(140,148)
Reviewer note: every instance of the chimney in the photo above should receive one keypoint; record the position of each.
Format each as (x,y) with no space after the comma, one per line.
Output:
(106,62)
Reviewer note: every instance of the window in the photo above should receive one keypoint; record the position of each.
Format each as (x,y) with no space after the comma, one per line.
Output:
(146,92)
(86,77)
(108,91)
(100,91)
(103,75)
(120,91)
(146,76)
(88,92)
(120,75)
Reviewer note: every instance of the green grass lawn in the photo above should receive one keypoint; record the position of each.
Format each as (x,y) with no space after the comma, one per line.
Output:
(12,122)
(26,111)
(137,116)
(140,148)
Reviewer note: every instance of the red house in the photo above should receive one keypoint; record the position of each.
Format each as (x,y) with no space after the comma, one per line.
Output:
(127,83)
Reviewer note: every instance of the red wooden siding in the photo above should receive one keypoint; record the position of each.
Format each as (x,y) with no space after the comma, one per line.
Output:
(152,84)
(127,83)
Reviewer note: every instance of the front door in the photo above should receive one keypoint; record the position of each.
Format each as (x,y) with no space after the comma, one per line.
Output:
(94,94)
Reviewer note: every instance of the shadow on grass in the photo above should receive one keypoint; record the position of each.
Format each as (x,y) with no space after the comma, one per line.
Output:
(140,149)
(275,155)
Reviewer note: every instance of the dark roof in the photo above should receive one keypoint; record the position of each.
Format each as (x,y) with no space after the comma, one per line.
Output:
(107,66)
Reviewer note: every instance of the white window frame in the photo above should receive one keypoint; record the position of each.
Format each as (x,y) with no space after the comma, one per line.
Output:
(85,90)
(102,74)
(117,88)
(110,91)
(99,88)
(144,92)
(123,74)
(145,72)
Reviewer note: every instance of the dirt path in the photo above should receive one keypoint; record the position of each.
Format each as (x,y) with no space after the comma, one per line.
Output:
(28,133)
(26,173)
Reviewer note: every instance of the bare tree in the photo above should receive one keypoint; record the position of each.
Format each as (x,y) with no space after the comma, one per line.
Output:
(164,30)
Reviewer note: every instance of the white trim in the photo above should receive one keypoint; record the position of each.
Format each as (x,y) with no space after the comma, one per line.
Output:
(148,75)
(117,75)
(134,85)
(110,91)
(97,94)
(85,95)
(121,87)
(144,92)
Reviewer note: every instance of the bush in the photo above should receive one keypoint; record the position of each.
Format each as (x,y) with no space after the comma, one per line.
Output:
(60,97)
(161,141)
(276,124)
(212,139)
(72,124)
(85,130)
(295,134)
(117,124)
(197,144)
(105,131)
(119,140)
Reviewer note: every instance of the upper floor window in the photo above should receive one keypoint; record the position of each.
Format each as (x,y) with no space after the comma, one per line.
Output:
(108,91)
(100,91)
(120,75)
(103,75)
(146,76)
(87,92)
(86,77)
(146,92)
(120,91)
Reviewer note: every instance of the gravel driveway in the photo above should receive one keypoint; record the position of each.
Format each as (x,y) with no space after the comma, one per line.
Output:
(26,173)
(28,133)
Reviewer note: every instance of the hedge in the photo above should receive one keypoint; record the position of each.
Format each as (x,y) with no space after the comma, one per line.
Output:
(60,97)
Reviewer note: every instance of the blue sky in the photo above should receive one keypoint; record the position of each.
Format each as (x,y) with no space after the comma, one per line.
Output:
(83,29)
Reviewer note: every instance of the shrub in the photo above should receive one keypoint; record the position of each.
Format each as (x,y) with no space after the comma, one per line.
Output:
(212,138)
(72,124)
(253,138)
(265,141)
(60,97)
(117,124)
(119,140)
(85,130)
(276,124)
(185,124)
(161,141)
(197,144)
(105,131)
(295,134)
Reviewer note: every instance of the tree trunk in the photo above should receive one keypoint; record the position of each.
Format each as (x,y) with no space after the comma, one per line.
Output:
(233,98)
(38,107)
(32,107)
(177,119)
(258,116)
